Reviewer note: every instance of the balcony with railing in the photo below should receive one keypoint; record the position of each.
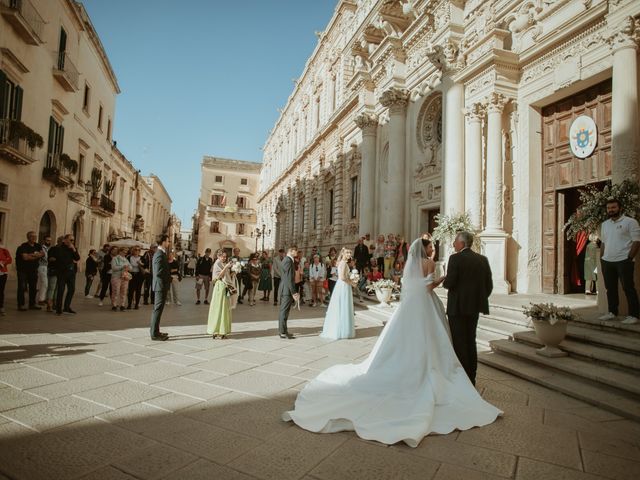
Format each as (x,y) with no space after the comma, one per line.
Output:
(18,143)
(65,72)
(231,212)
(24,18)
(57,172)
(103,206)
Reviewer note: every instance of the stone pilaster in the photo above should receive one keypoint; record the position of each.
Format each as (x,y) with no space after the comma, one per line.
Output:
(320,212)
(368,123)
(473,163)
(624,102)
(453,142)
(393,203)
(307,215)
(494,238)
(338,194)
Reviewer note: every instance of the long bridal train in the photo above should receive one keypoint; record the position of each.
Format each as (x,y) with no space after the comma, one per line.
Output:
(411,385)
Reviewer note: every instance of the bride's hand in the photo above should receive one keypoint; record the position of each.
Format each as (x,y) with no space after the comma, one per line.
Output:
(438,281)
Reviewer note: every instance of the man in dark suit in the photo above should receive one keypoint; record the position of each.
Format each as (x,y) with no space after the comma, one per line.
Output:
(469,283)
(161,283)
(361,254)
(287,292)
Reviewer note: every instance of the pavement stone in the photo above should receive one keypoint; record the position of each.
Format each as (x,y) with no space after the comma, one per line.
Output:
(114,405)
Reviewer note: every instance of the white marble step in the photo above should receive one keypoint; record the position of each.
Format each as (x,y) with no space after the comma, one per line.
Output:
(588,351)
(608,325)
(626,382)
(592,393)
(614,340)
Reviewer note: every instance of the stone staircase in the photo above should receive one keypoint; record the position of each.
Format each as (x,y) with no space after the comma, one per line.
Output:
(603,363)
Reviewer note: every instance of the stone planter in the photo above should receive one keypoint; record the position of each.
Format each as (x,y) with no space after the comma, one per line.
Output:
(551,336)
(384,296)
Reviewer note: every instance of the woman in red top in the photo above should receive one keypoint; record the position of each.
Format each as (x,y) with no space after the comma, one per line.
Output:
(375,275)
(5,260)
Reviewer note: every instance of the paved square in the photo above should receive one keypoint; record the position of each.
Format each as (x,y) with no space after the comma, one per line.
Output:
(90,396)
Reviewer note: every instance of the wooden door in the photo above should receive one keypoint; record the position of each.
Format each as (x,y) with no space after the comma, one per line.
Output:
(561,170)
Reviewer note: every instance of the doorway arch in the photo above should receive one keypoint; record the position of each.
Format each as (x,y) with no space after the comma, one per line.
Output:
(47,227)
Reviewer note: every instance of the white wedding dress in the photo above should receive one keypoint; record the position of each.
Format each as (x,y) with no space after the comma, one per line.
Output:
(339,321)
(411,385)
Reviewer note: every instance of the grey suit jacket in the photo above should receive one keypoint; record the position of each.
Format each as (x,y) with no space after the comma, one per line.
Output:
(161,271)
(287,282)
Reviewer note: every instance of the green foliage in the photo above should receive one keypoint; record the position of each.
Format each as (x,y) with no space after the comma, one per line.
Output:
(450,225)
(96,181)
(20,131)
(69,164)
(549,312)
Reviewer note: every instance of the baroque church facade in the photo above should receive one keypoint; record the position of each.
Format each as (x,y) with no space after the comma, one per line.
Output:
(410,108)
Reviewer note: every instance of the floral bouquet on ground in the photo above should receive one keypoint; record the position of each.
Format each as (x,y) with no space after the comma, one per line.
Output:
(381,285)
(548,312)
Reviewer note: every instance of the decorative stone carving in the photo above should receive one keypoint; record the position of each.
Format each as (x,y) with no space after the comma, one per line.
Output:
(496,102)
(447,57)
(429,125)
(367,122)
(475,112)
(395,98)
(628,35)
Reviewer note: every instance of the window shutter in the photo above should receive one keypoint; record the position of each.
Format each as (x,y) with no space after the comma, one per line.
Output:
(61,141)
(50,145)
(17,109)
(3,95)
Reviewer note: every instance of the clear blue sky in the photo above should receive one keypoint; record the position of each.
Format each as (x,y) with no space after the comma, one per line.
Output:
(202,77)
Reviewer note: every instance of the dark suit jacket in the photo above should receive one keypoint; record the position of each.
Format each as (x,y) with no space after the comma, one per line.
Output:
(287,280)
(469,283)
(361,254)
(161,271)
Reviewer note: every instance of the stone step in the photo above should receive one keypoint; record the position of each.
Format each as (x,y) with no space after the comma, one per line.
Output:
(613,340)
(628,361)
(608,325)
(623,381)
(589,392)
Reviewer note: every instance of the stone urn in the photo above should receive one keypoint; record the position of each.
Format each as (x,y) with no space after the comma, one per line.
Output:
(384,296)
(551,335)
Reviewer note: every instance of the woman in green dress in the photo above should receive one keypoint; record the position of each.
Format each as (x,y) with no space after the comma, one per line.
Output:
(219,323)
(265,285)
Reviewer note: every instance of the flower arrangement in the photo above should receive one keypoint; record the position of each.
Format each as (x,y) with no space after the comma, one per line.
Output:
(382,284)
(236,267)
(450,225)
(548,312)
(354,277)
(593,210)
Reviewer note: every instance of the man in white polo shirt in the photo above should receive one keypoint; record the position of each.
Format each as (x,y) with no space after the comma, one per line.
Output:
(620,237)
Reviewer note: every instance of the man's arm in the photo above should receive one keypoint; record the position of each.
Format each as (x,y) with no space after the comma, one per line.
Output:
(488,276)
(635,237)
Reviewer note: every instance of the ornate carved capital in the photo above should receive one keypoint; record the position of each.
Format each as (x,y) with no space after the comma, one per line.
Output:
(395,98)
(475,113)
(367,122)
(496,102)
(447,58)
(628,36)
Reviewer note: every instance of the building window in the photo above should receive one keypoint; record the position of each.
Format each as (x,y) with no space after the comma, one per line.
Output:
(62,49)
(240,228)
(315,213)
(4,192)
(241,202)
(81,168)
(217,200)
(56,141)
(215,227)
(302,214)
(218,178)
(86,98)
(317,112)
(3,223)
(10,100)
(354,197)
(244,181)
(109,129)
(331,207)
(100,111)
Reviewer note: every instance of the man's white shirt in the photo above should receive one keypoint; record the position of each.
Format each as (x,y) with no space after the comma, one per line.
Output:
(317,272)
(618,236)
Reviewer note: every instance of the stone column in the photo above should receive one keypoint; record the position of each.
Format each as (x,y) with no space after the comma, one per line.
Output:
(453,171)
(494,238)
(624,102)
(393,206)
(473,164)
(320,212)
(307,216)
(338,193)
(368,123)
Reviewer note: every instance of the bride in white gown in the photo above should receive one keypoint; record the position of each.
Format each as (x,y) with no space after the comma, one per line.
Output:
(412,383)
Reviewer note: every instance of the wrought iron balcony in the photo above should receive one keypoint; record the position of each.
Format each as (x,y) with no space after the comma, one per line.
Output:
(13,147)
(24,18)
(66,72)
(103,206)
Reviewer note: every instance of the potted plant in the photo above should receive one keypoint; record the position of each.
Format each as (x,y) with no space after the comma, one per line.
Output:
(383,290)
(69,164)
(109,187)
(550,324)
(20,131)
(96,182)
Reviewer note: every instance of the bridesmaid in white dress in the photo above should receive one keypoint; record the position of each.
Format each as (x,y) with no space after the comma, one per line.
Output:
(339,321)
(412,383)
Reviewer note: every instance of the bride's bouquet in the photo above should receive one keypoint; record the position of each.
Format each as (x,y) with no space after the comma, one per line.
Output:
(354,277)
(236,267)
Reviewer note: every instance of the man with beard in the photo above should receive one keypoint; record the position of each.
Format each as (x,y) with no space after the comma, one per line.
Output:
(620,237)
(65,257)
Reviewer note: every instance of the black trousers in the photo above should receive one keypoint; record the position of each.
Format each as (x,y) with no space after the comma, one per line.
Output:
(380,261)
(276,285)
(148,290)
(105,279)
(27,281)
(88,283)
(66,280)
(135,288)
(623,271)
(463,336)
(286,302)
(3,283)
(159,300)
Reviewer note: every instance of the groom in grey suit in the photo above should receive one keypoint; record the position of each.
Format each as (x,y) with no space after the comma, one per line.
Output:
(287,292)
(160,284)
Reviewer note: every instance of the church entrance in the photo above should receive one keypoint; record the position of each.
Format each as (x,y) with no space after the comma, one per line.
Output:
(563,175)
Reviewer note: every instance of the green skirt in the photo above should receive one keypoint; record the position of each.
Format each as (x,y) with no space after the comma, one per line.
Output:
(219,322)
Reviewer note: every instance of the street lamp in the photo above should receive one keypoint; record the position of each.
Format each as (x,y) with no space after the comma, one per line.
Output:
(260,233)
